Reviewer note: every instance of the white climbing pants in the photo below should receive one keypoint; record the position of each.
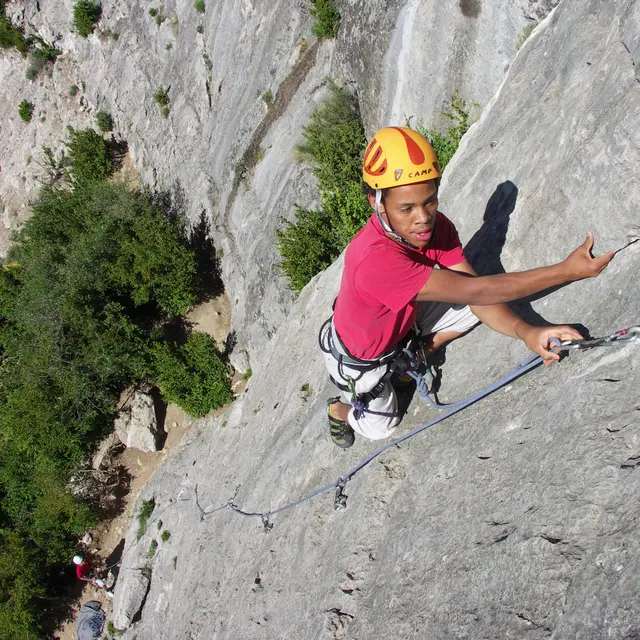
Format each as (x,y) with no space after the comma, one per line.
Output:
(431,317)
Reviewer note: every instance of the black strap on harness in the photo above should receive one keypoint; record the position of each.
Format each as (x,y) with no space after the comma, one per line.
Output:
(360,401)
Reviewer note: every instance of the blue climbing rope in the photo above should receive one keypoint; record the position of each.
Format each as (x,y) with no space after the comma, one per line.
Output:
(618,338)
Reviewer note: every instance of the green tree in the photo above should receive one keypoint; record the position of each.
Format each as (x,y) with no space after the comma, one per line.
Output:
(90,281)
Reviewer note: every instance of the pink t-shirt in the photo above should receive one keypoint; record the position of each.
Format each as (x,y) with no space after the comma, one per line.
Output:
(376,305)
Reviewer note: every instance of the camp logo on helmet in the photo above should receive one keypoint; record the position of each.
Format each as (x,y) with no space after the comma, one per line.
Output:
(397,173)
(417,174)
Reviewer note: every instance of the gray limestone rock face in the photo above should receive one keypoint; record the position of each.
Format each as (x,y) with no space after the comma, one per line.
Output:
(407,58)
(130,594)
(516,518)
(102,452)
(137,426)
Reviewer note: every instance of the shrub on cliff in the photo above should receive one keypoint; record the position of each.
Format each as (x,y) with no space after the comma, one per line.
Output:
(333,142)
(41,52)
(25,110)
(161,96)
(89,156)
(11,36)
(86,14)
(192,375)
(104,121)
(327,18)
(446,144)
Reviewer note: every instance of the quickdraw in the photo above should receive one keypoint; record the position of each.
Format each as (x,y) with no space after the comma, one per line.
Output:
(624,336)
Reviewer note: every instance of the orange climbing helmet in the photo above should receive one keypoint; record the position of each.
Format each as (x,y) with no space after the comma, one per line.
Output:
(397,156)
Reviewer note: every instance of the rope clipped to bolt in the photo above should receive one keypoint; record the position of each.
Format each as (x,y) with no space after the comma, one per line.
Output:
(619,338)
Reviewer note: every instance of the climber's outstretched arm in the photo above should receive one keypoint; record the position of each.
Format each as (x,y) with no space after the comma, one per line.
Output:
(502,319)
(445,285)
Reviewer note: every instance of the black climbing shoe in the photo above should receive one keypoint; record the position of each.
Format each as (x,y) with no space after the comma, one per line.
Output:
(341,432)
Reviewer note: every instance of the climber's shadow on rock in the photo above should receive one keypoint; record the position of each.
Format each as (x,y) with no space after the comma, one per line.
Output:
(485,248)
(112,561)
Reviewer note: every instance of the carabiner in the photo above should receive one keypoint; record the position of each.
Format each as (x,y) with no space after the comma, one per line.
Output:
(626,335)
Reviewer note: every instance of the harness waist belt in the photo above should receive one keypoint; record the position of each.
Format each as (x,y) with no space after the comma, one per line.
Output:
(340,352)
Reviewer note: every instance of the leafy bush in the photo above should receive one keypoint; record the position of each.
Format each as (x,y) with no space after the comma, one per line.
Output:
(153,547)
(153,12)
(200,28)
(307,246)
(333,141)
(146,509)
(161,96)
(11,36)
(526,32)
(160,18)
(89,155)
(199,6)
(327,18)
(267,96)
(104,121)
(446,144)
(25,111)
(86,14)
(32,72)
(73,90)
(192,375)
(165,535)
(40,54)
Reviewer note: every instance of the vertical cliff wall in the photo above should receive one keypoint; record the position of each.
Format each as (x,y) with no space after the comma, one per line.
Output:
(515,519)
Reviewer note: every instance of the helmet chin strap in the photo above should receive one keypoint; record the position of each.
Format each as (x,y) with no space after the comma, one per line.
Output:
(386,226)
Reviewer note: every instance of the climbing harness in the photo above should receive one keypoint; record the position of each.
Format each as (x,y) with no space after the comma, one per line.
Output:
(405,357)
(619,338)
(330,342)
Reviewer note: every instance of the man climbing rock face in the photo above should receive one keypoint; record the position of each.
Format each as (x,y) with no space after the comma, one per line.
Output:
(406,268)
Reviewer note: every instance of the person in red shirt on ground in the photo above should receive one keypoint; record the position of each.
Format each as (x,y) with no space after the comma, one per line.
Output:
(86,573)
(406,267)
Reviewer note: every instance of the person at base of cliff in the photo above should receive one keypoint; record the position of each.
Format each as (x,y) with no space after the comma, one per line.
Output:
(86,572)
(406,269)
